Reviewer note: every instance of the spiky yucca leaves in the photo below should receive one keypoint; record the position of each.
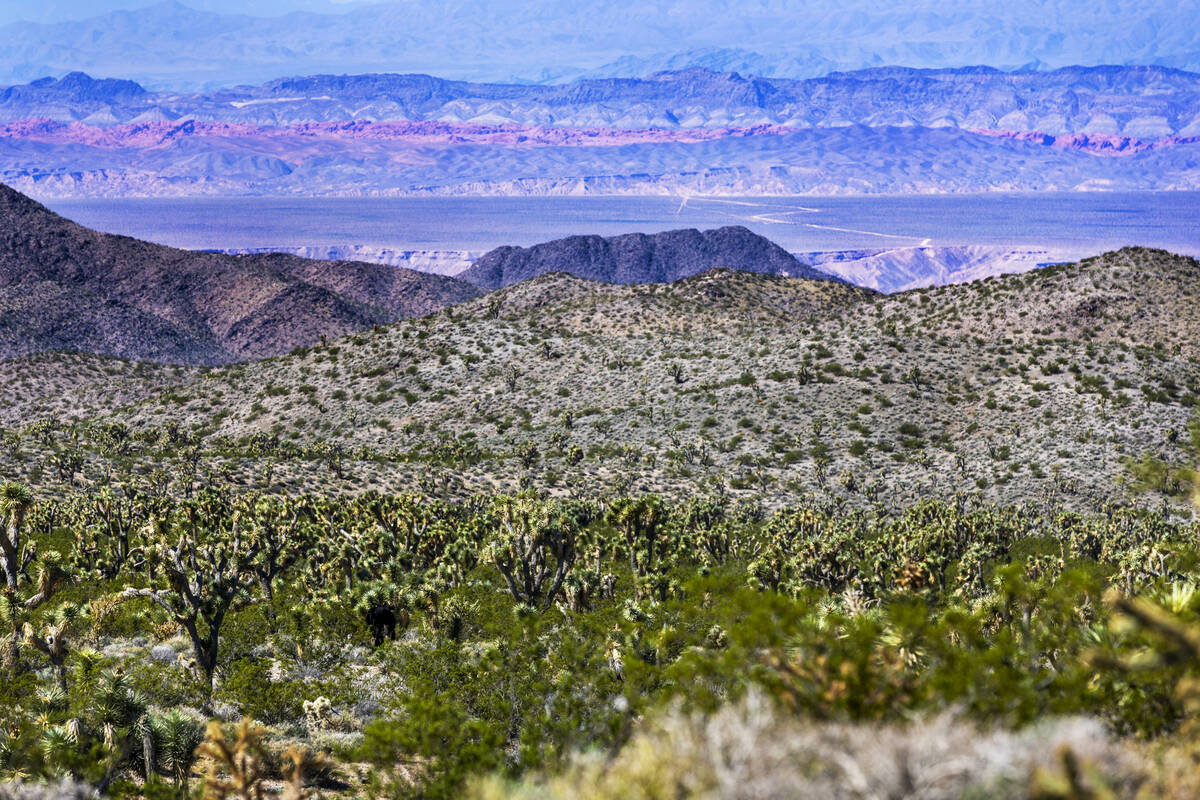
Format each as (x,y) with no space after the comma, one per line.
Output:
(177,737)
(123,721)
(97,739)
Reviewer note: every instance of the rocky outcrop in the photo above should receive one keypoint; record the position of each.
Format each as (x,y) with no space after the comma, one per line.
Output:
(639,258)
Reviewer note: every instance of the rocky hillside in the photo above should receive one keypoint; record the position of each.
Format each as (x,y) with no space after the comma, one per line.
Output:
(639,258)
(1138,296)
(1034,388)
(65,287)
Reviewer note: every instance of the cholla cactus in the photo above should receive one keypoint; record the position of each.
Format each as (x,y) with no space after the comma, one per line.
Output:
(237,766)
(316,713)
(301,763)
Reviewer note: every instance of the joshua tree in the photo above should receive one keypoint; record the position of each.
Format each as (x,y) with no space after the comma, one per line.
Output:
(205,575)
(111,543)
(334,456)
(512,378)
(532,545)
(15,502)
(20,595)
(279,533)
(52,642)
(640,521)
(528,454)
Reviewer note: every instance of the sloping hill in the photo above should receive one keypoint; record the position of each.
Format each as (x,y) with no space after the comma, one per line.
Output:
(1016,388)
(1033,388)
(720,298)
(1134,296)
(63,286)
(639,258)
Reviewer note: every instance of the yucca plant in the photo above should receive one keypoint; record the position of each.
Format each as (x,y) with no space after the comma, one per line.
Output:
(177,737)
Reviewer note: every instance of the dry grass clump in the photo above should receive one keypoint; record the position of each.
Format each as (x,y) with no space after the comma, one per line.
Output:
(749,751)
(65,790)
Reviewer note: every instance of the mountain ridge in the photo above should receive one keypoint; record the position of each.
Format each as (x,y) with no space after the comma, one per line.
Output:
(814,161)
(882,130)
(1137,101)
(636,258)
(67,287)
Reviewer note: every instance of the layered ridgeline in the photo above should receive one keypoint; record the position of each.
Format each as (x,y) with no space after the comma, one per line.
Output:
(639,258)
(1136,102)
(887,130)
(65,287)
(1023,388)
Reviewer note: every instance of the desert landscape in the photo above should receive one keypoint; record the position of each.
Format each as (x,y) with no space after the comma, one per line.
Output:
(668,406)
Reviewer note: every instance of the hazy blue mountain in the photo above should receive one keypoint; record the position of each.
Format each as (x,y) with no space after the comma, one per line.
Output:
(1139,102)
(60,10)
(842,160)
(171,44)
(887,129)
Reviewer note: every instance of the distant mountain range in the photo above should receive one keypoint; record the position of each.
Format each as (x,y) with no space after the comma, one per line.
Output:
(65,287)
(182,160)
(1135,102)
(691,132)
(171,45)
(898,269)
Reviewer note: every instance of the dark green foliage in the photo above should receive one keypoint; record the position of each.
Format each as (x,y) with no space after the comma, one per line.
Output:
(531,628)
